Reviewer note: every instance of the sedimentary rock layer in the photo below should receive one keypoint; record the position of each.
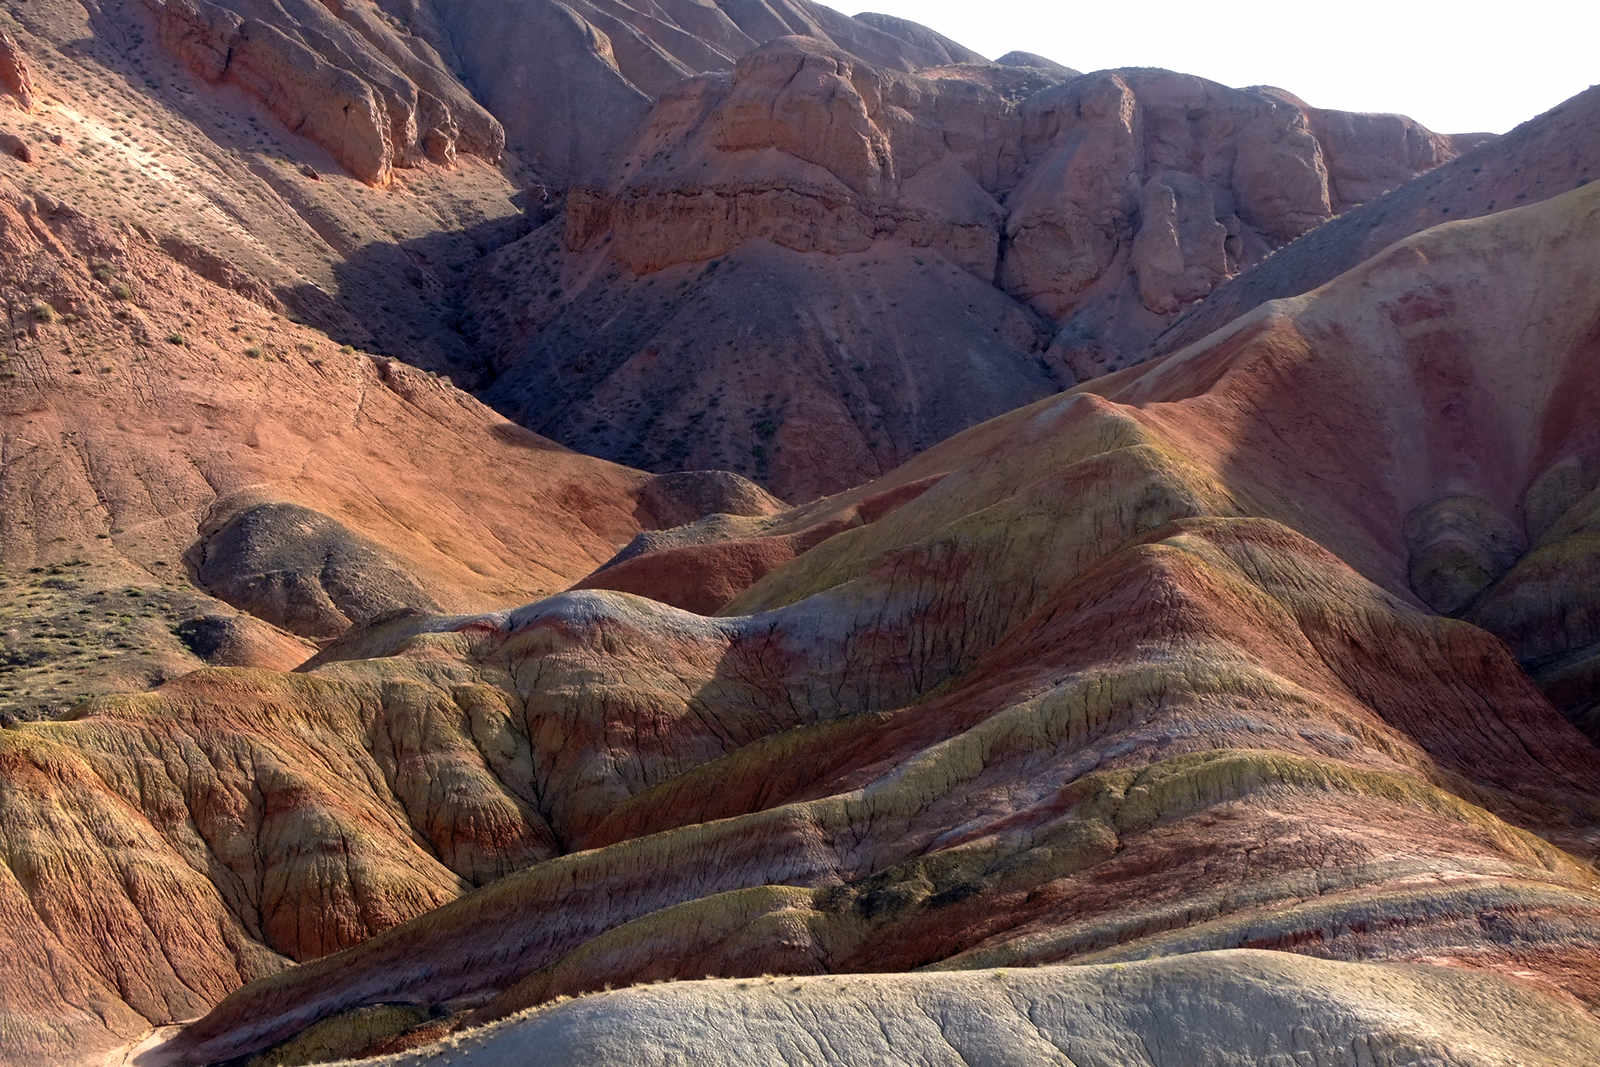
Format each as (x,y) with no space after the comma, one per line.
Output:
(1047,230)
(1239,1006)
(340,75)
(1132,672)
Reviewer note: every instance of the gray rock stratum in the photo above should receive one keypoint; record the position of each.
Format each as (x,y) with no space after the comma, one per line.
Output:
(1224,1008)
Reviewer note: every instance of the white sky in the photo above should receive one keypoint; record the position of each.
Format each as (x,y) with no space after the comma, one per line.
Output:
(1454,67)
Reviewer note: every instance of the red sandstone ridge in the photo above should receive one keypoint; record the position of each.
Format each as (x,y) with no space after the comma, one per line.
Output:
(1078,214)
(170,444)
(15,77)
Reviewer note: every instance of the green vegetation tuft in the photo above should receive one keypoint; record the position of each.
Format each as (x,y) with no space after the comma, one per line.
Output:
(348,1034)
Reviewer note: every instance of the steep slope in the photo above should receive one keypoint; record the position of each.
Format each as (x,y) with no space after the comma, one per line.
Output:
(572,80)
(346,165)
(1134,672)
(314,158)
(342,77)
(866,261)
(331,160)
(160,433)
(1543,157)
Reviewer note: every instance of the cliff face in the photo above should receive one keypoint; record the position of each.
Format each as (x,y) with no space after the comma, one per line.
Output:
(340,76)
(571,81)
(14,73)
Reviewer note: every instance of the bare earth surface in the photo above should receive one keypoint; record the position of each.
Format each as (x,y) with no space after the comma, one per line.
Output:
(1238,705)
(1092,691)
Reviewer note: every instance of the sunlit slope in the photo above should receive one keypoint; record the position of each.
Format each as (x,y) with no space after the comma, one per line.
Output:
(1150,669)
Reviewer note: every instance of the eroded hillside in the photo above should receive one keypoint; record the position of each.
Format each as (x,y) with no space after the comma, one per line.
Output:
(1123,674)
(766,238)
(812,268)
(1243,697)
(190,477)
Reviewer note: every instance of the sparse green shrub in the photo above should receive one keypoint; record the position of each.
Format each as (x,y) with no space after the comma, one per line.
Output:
(42,312)
(121,291)
(176,338)
(253,352)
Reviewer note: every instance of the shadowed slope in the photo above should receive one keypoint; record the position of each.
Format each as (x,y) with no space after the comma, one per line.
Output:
(1544,157)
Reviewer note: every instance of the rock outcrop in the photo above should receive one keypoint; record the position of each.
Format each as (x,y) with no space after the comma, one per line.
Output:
(339,75)
(810,149)
(1130,673)
(1143,191)
(14,146)
(572,80)
(16,80)
(1368,155)
(1543,157)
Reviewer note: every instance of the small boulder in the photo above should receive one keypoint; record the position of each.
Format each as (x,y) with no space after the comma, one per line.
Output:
(13,145)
